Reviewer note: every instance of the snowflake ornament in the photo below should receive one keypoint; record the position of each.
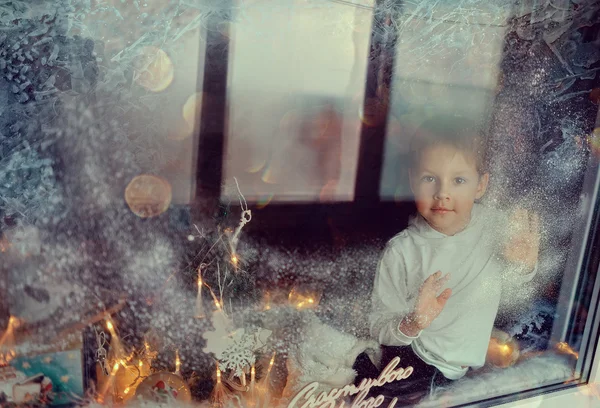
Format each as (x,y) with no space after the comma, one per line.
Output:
(233,348)
(240,355)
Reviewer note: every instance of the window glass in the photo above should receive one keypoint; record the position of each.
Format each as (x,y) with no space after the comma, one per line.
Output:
(447,62)
(183,218)
(526,75)
(161,73)
(295,87)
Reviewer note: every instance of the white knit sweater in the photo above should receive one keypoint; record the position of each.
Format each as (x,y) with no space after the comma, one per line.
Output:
(458,338)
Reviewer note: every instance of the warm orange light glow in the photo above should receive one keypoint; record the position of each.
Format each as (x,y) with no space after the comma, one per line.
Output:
(267,301)
(4,244)
(503,351)
(154,69)
(218,375)
(177,361)
(7,340)
(272,361)
(300,299)
(126,391)
(565,348)
(234,259)
(110,326)
(5,358)
(140,363)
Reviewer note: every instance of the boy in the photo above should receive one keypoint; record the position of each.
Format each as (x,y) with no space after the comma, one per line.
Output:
(437,287)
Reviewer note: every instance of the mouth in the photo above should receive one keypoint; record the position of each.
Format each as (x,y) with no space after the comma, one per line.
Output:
(440,210)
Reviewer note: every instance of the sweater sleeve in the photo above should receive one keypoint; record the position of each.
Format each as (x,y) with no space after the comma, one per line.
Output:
(390,300)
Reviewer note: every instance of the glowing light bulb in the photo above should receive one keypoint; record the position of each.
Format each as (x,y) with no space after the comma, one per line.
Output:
(109,325)
(218,375)
(234,259)
(140,363)
(126,390)
(177,361)
(272,361)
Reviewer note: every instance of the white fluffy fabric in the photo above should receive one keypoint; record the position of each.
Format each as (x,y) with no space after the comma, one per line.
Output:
(535,372)
(325,356)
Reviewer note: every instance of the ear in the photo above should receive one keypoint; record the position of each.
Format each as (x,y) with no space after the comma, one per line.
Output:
(482,185)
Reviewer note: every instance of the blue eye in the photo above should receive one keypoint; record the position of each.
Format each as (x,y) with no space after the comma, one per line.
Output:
(460,180)
(428,179)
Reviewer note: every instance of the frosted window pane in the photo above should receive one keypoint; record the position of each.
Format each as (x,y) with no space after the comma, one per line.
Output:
(165,79)
(447,61)
(296,82)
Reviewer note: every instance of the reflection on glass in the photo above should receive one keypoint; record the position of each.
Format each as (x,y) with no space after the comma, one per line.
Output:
(296,84)
(162,48)
(447,62)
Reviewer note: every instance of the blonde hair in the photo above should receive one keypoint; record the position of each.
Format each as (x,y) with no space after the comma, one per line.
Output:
(463,134)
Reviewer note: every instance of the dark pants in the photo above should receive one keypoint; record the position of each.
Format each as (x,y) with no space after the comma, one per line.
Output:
(409,391)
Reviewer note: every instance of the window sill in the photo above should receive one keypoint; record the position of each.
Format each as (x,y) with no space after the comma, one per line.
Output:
(584,396)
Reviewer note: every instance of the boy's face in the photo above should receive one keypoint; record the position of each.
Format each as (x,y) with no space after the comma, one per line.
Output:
(446,184)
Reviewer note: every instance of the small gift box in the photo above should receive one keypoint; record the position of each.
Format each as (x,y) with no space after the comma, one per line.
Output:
(38,387)
(16,387)
(57,373)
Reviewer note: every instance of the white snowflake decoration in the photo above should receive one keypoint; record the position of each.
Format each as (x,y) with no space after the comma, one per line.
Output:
(234,349)
(240,355)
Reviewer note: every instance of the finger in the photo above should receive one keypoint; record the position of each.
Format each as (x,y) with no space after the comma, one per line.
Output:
(442,280)
(534,224)
(517,213)
(520,218)
(515,222)
(444,296)
(433,277)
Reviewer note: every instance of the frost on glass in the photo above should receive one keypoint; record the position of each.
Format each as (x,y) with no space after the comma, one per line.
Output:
(94,94)
(528,72)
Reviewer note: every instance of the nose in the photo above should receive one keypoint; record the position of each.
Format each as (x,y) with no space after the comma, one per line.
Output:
(442,192)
